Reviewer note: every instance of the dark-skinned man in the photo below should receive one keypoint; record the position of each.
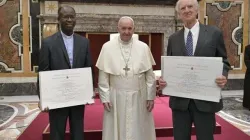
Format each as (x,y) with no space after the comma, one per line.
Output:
(65,50)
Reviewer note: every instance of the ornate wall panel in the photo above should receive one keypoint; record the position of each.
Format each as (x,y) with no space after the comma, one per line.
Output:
(228,16)
(11,36)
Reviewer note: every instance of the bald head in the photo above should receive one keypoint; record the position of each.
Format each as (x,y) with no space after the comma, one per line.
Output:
(66,8)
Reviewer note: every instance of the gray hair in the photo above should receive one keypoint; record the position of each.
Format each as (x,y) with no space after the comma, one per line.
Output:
(177,6)
(126,17)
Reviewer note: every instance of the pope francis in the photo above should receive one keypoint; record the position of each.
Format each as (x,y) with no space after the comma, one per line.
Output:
(127,86)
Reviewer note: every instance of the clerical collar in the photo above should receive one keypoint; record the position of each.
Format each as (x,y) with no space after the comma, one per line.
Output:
(66,36)
(123,42)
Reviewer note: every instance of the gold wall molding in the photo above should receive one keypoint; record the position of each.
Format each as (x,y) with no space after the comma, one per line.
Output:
(26,36)
(18,74)
(49,29)
(246,23)
(202,11)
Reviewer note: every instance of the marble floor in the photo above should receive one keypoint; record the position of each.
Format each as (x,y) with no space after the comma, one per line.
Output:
(17,112)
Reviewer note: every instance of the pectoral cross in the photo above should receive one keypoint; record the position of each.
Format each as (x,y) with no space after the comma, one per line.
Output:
(126,70)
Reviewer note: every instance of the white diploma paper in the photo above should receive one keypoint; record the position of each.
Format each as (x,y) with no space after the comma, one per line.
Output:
(65,88)
(192,77)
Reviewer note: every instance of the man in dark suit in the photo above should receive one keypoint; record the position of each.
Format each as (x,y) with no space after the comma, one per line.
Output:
(195,40)
(246,95)
(65,50)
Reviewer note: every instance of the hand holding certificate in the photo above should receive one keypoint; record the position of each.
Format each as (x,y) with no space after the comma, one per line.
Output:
(192,77)
(64,88)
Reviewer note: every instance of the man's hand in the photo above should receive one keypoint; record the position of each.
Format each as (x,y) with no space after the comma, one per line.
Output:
(221,81)
(94,96)
(150,105)
(95,93)
(107,106)
(162,83)
(45,110)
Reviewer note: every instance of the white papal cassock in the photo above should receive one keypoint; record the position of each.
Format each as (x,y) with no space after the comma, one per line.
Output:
(128,118)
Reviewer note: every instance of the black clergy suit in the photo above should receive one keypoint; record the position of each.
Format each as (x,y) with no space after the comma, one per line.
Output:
(246,97)
(53,56)
(185,111)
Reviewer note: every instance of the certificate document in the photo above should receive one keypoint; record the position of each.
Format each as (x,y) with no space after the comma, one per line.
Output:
(192,77)
(65,88)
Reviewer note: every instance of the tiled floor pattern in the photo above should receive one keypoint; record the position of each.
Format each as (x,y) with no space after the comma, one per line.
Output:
(16,113)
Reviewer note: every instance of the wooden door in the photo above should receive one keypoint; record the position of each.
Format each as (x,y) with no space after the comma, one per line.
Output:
(156,49)
(96,42)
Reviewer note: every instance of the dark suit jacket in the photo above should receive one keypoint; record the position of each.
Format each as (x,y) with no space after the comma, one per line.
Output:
(246,97)
(53,54)
(210,44)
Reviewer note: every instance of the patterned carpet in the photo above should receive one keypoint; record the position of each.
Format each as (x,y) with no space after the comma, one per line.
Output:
(16,116)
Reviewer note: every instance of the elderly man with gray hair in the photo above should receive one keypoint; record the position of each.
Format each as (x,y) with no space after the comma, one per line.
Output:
(195,40)
(127,86)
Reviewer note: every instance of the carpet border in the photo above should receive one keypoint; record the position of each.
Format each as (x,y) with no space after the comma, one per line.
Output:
(29,124)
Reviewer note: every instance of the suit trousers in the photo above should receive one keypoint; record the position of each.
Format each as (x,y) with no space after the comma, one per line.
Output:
(204,123)
(58,120)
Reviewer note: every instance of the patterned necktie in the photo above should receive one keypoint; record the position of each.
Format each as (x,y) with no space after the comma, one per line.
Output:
(189,44)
